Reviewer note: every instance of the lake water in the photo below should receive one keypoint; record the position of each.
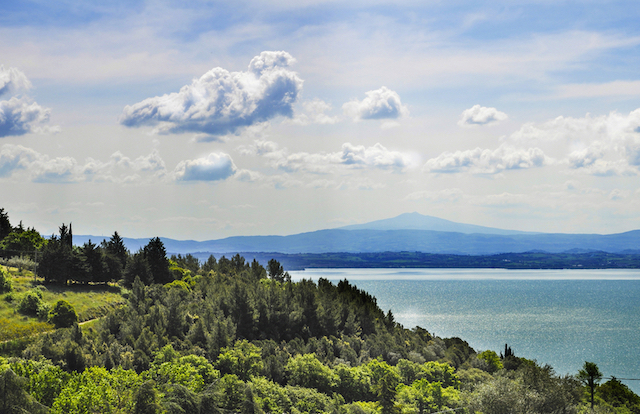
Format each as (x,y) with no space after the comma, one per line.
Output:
(557,317)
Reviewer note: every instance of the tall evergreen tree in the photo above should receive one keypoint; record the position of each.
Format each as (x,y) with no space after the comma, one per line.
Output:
(156,256)
(5,224)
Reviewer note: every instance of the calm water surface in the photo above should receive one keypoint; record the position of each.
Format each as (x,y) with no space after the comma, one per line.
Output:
(557,317)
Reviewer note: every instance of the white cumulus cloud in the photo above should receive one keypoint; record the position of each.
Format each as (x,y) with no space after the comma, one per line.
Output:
(12,80)
(481,115)
(214,167)
(19,115)
(486,161)
(382,103)
(221,102)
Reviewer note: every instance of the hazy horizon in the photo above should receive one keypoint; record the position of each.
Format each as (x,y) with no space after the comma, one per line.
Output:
(205,120)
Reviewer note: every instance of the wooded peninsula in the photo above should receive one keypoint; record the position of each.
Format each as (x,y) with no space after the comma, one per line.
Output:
(99,329)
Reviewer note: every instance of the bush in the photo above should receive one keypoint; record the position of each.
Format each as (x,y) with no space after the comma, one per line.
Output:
(5,281)
(63,315)
(31,304)
(21,263)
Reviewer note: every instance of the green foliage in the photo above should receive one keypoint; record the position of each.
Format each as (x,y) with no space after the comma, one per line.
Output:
(62,315)
(18,243)
(45,381)
(243,360)
(97,390)
(384,381)
(617,395)
(307,371)
(5,224)
(590,376)
(31,304)
(5,280)
(423,395)
(232,340)
(15,400)
(492,360)
(146,399)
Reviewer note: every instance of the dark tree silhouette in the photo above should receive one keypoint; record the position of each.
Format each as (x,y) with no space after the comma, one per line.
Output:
(156,256)
(590,376)
(5,225)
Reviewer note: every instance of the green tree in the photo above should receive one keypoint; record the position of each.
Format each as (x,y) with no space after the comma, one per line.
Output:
(384,381)
(146,399)
(590,376)
(96,267)
(492,359)
(22,243)
(275,270)
(115,247)
(210,265)
(243,360)
(63,314)
(31,303)
(307,371)
(13,398)
(98,390)
(5,224)
(156,256)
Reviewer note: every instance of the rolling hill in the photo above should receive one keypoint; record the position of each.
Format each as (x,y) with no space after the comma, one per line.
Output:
(408,232)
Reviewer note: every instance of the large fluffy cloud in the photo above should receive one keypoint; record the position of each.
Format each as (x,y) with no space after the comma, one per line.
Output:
(486,161)
(18,115)
(220,102)
(214,167)
(481,115)
(382,103)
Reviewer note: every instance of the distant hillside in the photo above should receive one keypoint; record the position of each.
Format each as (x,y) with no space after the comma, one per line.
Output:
(396,235)
(417,221)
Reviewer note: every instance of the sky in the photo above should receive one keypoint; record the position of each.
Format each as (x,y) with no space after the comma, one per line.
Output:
(202,119)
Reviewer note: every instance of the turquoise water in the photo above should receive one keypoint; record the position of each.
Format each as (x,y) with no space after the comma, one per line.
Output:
(557,317)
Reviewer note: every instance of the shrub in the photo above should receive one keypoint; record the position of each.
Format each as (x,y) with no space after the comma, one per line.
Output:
(21,263)
(63,315)
(32,304)
(5,281)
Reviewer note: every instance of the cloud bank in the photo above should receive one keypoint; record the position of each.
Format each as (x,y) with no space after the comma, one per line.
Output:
(382,103)
(481,115)
(603,145)
(350,157)
(486,161)
(221,102)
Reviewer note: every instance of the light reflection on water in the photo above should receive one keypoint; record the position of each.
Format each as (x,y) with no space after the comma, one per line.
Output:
(559,317)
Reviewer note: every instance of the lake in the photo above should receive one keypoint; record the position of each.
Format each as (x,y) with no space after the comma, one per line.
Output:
(557,317)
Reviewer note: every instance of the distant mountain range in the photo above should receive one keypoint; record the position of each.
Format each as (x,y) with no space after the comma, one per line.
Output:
(410,232)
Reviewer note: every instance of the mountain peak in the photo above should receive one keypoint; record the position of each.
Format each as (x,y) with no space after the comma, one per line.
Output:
(417,221)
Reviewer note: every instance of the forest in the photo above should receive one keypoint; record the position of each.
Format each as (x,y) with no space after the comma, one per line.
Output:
(231,336)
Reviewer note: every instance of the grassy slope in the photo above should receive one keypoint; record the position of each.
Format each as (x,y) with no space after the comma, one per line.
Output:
(89,302)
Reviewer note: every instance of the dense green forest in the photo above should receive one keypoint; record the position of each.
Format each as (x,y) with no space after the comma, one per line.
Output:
(228,335)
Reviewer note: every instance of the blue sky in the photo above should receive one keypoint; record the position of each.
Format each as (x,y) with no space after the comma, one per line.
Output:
(200,120)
